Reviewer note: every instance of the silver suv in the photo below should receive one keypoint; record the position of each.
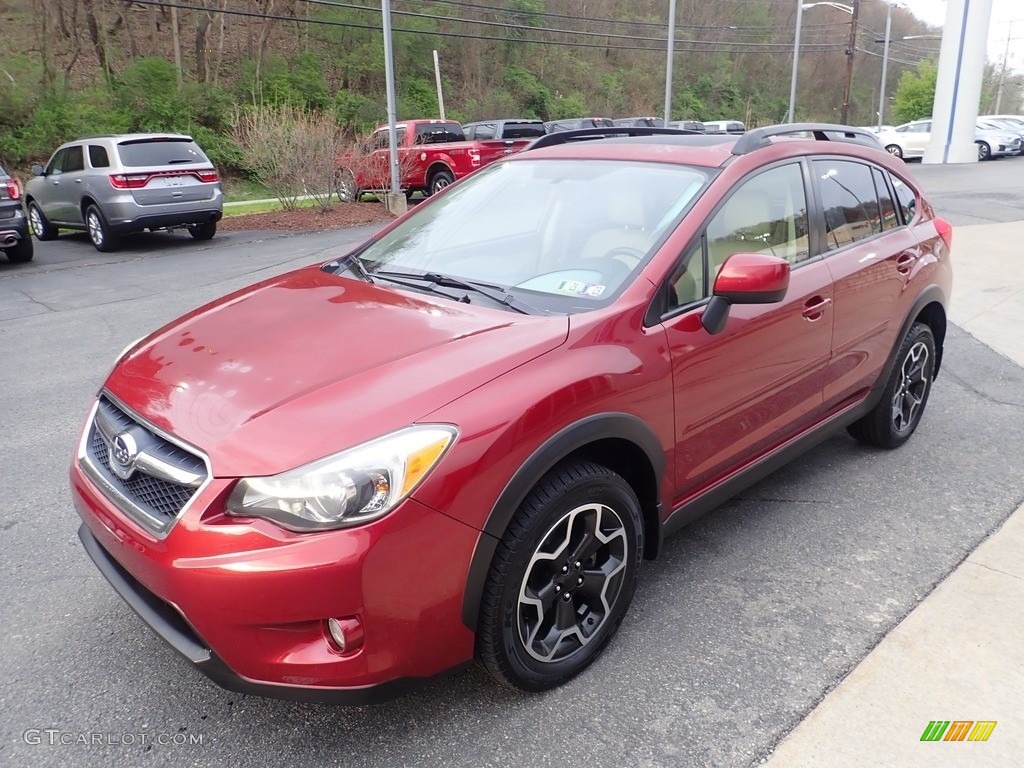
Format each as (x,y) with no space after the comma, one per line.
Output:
(113,185)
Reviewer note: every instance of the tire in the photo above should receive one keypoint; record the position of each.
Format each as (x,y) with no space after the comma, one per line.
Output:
(203,231)
(345,186)
(895,150)
(984,151)
(549,554)
(893,420)
(102,238)
(439,181)
(21,252)
(40,226)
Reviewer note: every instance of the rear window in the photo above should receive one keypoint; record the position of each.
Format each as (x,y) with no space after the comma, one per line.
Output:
(137,154)
(427,133)
(522,130)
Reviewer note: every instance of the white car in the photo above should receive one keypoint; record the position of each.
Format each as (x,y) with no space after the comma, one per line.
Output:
(910,140)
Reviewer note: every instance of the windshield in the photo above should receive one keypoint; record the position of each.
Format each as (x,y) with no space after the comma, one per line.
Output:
(560,235)
(138,153)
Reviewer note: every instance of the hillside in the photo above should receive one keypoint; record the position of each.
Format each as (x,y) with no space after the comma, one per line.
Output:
(89,66)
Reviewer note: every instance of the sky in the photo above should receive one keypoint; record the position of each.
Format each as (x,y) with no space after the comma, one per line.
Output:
(1003,12)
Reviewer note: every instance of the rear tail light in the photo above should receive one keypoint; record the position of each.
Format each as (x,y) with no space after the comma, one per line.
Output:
(945,230)
(208,176)
(129,180)
(13,189)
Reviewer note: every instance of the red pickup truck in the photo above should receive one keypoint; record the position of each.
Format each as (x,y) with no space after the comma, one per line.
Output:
(431,155)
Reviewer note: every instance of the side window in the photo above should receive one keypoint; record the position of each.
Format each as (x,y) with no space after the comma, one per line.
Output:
(765,214)
(380,138)
(689,283)
(890,219)
(98,156)
(849,200)
(55,163)
(74,160)
(906,198)
(485,131)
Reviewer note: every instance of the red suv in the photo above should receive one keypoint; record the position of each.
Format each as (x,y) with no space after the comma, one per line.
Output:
(461,439)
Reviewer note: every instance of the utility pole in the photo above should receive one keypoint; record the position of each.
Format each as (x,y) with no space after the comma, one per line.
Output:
(849,61)
(1002,72)
(668,64)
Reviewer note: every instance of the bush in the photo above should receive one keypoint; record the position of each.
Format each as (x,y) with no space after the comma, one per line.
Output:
(292,151)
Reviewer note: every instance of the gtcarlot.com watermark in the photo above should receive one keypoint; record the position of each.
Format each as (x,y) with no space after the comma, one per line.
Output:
(55,737)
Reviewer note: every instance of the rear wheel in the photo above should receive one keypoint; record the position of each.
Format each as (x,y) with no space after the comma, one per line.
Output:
(99,231)
(562,578)
(984,151)
(21,251)
(203,231)
(894,419)
(894,150)
(439,181)
(41,228)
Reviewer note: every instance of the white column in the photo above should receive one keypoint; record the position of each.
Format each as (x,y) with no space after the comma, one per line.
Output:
(958,90)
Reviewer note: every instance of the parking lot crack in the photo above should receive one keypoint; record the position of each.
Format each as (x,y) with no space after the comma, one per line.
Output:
(34,300)
(984,395)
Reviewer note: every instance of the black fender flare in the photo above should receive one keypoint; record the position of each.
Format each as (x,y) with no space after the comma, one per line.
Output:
(933,294)
(569,439)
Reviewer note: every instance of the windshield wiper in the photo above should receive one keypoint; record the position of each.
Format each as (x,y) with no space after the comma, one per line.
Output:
(493,292)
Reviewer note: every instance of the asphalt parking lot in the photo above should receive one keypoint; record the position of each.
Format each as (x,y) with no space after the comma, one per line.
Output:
(749,618)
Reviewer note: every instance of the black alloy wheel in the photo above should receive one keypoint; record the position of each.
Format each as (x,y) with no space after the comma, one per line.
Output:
(893,420)
(562,578)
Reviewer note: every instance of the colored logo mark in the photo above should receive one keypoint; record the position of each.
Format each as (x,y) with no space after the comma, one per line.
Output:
(958,730)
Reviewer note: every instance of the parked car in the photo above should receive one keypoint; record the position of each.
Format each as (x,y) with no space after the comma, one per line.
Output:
(504,129)
(113,185)
(1004,127)
(688,125)
(431,155)
(1010,121)
(911,139)
(15,238)
(639,122)
(577,124)
(734,127)
(461,438)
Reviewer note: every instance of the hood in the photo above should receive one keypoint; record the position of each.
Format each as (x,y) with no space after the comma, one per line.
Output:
(308,364)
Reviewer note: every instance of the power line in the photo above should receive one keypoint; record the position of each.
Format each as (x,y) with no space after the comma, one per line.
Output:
(553,30)
(684,46)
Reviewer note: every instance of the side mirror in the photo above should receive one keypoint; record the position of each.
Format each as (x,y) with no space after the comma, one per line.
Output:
(745,278)
(37,170)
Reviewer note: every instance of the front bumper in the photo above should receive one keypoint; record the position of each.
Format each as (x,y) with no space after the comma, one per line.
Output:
(247,602)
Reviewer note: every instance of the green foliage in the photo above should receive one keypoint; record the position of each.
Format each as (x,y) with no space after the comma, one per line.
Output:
(527,90)
(358,113)
(147,94)
(915,94)
(417,98)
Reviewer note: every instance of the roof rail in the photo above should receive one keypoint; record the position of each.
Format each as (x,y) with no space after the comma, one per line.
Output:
(758,138)
(589,134)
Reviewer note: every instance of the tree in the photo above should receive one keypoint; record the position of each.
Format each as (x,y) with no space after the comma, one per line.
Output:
(915,94)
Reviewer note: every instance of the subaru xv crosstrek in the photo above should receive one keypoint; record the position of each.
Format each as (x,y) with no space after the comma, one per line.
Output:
(461,439)
(109,186)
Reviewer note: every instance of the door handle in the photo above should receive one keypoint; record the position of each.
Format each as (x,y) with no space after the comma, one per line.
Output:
(815,307)
(78,181)
(905,263)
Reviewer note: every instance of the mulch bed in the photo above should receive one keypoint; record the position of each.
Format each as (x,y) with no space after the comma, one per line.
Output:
(308,219)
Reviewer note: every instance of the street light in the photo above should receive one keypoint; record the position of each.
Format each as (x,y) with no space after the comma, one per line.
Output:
(801,6)
(885,58)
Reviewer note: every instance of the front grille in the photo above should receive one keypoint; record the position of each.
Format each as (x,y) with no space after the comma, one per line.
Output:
(151,500)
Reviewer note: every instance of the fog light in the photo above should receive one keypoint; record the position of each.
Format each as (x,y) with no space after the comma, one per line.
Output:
(347,634)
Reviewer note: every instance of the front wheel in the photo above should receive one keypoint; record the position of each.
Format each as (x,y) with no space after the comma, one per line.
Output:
(37,220)
(895,150)
(439,181)
(99,231)
(345,186)
(984,151)
(893,420)
(562,578)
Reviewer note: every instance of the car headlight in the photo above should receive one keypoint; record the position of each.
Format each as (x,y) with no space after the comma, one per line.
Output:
(349,488)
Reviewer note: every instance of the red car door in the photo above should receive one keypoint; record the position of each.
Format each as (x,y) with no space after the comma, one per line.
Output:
(759,382)
(870,255)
